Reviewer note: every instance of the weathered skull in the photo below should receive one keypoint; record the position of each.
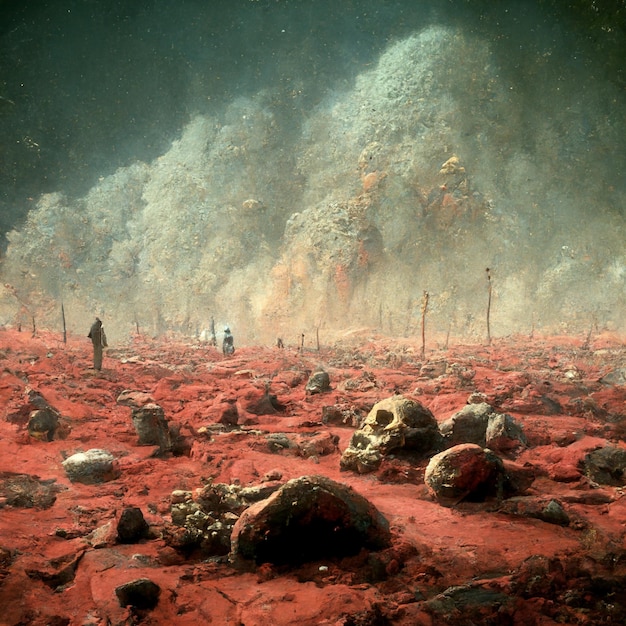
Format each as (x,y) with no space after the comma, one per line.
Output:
(393,423)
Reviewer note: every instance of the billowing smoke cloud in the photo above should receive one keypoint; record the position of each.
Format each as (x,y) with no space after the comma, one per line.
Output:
(431,167)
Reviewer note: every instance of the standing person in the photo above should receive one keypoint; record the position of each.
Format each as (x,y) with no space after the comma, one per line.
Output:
(228,345)
(99,341)
(213,337)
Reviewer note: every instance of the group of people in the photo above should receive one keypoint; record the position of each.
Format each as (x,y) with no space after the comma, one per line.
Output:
(99,341)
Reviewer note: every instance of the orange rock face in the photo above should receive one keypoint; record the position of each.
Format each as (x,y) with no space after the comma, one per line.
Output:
(61,560)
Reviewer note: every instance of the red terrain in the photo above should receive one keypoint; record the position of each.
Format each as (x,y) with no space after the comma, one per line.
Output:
(487,562)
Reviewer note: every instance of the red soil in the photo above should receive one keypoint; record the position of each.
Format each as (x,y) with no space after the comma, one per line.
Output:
(549,385)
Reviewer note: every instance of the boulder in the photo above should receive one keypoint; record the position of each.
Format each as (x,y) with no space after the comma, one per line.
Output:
(203,521)
(396,423)
(26,491)
(141,593)
(134,399)
(131,527)
(151,426)
(43,423)
(471,604)
(615,377)
(341,415)
(316,444)
(278,442)
(309,518)
(466,471)
(319,382)
(504,434)
(91,467)
(548,510)
(22,412)
(469,425)
(606,466)
(554,513)
(480,424)
(56,572)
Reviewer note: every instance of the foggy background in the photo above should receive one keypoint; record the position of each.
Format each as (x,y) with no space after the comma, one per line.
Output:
(285,166)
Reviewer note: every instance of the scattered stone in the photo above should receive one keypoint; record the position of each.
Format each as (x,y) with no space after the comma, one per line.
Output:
(277,442)
(179,495)
(464,472)
(43,424)
(504,434)
(104,536)
(615,377)
(309,518)
(540,576)
(606,466)
(519,478)
(182,538)
(57,572)
(469,425)
(433,370)
(36,399)
(477,398)
(131,527)
(338,415)
(25,491)
(365,382)
(480,424)
(151,426)
(396,423)
(319,382)
(550,511)
(573,374)
(91,467)
(471,604)
(203,521)
(554,513)
(316,444)
(22,413)
(134,399)
(141,593)
(272,475)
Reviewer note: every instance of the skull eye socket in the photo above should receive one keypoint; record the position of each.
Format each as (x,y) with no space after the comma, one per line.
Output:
(359,441)
(384,418)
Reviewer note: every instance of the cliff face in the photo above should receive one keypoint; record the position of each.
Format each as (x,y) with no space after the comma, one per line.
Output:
(435,164)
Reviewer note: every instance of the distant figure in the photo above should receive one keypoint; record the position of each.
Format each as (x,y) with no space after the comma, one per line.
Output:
(99,341)
(213,340)
(228,345)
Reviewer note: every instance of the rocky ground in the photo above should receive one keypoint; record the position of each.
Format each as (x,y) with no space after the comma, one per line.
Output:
(148,539)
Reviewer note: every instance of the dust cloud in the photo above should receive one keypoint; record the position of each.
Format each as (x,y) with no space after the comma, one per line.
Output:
(438,160)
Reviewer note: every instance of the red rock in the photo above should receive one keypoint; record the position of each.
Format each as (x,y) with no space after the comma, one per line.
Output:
(433,548)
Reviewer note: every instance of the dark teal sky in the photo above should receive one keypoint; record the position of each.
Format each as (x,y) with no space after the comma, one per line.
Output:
(91,85)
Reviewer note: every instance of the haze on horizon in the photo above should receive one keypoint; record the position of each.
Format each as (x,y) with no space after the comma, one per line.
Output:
(286,165)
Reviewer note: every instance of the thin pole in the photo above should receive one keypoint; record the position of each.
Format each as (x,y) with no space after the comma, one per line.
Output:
(64,326)
(488,306)
(424,307)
